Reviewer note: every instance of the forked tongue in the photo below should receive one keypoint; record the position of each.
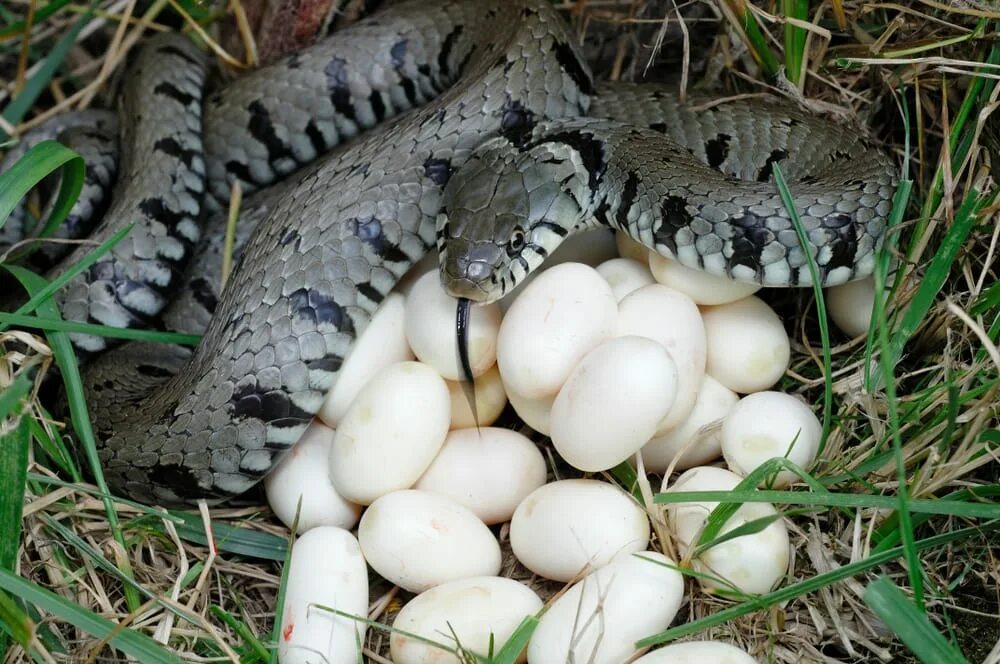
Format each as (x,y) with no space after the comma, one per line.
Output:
(462,316)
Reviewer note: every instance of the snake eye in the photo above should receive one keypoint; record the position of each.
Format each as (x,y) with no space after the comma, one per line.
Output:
(516,243)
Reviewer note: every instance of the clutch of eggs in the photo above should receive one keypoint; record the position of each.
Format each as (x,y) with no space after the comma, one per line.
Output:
(615,354)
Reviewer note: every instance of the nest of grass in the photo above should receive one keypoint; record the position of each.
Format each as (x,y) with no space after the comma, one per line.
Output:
(912,411)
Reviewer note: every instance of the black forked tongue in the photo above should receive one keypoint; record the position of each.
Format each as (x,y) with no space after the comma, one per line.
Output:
(462,320)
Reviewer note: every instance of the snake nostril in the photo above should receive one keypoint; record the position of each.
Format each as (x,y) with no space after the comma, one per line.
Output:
(477,271)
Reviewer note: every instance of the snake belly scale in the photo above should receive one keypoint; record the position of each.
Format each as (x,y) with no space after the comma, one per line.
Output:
(435,98)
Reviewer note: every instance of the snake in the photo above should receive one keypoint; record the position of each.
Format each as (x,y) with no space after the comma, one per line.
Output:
(474,128)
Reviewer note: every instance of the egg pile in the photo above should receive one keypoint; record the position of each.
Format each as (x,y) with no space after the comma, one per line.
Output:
(614,354)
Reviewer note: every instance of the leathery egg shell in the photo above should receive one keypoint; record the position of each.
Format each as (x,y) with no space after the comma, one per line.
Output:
(326,571)
(751,563)
(562,527)
(567,310)
(391,432)
(430,329)
(850,305)
(418,540)
(697,652)
(625,275)
(488,470)
(700,286)
(613,402)
(490,401)
(765,425)
(382,343)
(469,611)
(748,348)
(672,319)
(696,439)
(601,617)
(536,413)
(304,475)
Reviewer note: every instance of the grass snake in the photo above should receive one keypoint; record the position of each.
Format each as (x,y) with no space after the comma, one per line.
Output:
(474,127)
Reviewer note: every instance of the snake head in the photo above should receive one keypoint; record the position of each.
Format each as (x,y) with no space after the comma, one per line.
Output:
(502,213)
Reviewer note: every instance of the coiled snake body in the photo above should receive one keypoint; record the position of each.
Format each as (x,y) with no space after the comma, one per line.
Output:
(504,151)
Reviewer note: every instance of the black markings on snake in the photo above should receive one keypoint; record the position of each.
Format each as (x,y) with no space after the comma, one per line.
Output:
(315,137)
(204,294)
(370,292)
(240,170)
(338,87)
(717,149)
(438,170)
(659,126)
(845,246)
(516,122)
(153,371)
(170,90)
(590,149)
(398,54)
(570,64)
(154,208)
(369,231)
(748,240)
(173,50)
(673,217)
(261,128)
(291,235)
(765,172)
(629,191)
(378,105)
(272,406)
(330,364)
(171,147)
(446,47)
(310,304)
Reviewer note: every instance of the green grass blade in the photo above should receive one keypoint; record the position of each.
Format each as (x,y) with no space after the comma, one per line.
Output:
(738,496)
(807,586)
(13,474)
(65,358)
(130,642)
(241,541)
(42,13)
(15,111)
(132,334)
(38,163)
(15,621)
(910,624)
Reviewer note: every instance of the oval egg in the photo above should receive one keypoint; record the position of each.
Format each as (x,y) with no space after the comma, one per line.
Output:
(613,402)
(472,611)
(748,348)
(391,432)
(600,618)
(418,540)
(326,569)
(488,470)
(562,527)
(567,310)
(700,286)
(625,275)
(697,652)
(490,400)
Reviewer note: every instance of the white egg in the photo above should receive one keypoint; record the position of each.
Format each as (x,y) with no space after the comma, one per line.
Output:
(304,475)
(700,428)
(488,470)
(490,401)
(748,348)
(601,617)
(564,526)
(536,413)
(766,425)
(672,319)
(473,612)
(430,329)
(429,263)
(700,286)
(391,432)
(697,652)
(560,316)
(625,275)
(381,344)
(850,305)
(752,563)
(590,247)
(629,248)
(326,571)
(613,402)
(418,540)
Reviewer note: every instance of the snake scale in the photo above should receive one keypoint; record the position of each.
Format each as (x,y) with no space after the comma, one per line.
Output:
(472,126)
